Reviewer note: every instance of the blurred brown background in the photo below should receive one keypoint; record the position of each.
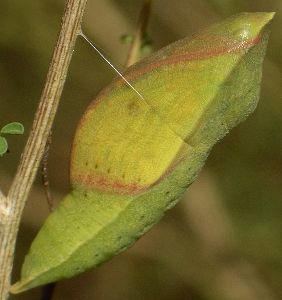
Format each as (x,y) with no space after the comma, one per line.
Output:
(224,241)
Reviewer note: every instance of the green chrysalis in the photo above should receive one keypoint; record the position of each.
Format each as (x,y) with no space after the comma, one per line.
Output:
(133,158)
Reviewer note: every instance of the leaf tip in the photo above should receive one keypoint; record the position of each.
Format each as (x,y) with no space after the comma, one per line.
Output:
(24,284)
(245,26)
(263,18)
(17,288)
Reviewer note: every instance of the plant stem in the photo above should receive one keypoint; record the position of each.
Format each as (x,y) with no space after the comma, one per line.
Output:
(142,24)
(12,206)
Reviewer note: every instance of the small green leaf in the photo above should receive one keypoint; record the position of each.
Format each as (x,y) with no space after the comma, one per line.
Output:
(3,146)
(13,128)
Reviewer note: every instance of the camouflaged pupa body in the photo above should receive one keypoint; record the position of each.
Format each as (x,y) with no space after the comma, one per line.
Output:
(133,158)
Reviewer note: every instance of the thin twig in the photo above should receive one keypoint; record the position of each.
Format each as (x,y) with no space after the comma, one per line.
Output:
(139,33)
(34,148)
(3,211)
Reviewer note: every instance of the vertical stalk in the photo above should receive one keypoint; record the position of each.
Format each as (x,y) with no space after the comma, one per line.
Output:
(140,30)
(11,207)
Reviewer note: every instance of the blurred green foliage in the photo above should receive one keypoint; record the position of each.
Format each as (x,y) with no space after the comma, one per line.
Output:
(181,258)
